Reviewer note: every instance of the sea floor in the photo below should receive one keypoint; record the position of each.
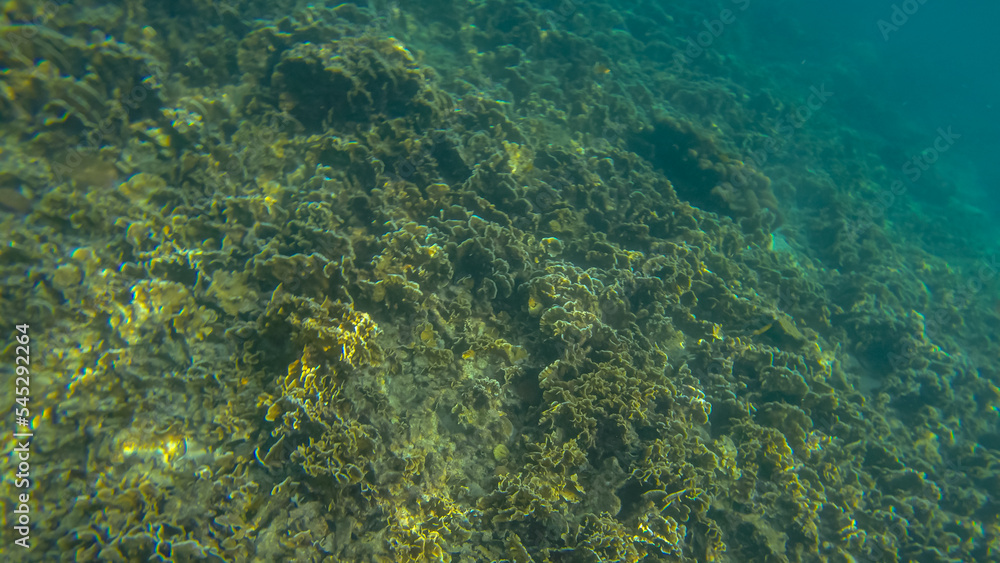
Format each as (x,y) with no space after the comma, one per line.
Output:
(475,281)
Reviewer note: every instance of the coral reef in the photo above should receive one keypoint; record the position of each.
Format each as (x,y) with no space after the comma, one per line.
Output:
(463,282)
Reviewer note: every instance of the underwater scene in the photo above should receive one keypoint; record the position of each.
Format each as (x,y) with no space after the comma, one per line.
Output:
(520,281)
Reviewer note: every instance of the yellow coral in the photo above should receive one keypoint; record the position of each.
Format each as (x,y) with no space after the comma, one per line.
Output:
(158,304)
(353,336)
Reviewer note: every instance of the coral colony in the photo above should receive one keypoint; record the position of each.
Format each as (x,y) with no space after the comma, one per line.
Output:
(468,281)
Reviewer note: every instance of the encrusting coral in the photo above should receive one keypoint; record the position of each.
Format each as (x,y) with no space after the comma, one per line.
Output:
(315,286)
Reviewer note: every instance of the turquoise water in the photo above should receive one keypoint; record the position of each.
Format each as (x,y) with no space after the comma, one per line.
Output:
(499,281)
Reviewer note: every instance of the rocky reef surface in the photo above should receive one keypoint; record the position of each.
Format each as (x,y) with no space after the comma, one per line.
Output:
(470,281)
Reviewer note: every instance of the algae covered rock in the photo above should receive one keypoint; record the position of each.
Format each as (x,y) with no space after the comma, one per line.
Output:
(351,81)
(466,282)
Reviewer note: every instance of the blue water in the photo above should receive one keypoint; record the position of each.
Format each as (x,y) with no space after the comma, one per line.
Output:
(907,68)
